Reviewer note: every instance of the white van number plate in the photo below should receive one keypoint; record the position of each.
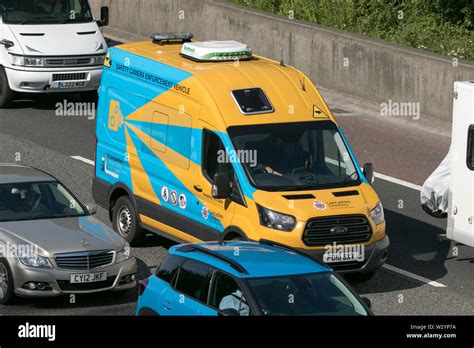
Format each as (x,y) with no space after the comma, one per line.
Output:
(88,278)
(68,84)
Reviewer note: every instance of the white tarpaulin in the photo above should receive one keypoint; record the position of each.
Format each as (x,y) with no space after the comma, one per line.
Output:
(435,192)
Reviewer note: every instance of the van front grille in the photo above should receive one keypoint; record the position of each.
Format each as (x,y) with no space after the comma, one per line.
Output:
(84,260)
(345,229)
(70,61)
(70,77)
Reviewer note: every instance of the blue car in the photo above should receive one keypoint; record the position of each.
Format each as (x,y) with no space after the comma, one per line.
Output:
(245,278)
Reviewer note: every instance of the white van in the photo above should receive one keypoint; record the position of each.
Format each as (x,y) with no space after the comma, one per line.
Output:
(49,46)
(461,187)
(449,191)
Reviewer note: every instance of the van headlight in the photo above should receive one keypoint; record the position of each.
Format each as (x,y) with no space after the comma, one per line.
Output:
(27,61)
(31,259)
(124,254)
(377,214)
(275,220)
(99,60)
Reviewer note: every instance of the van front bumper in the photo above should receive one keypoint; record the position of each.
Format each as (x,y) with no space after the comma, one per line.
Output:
(120,276)
(39,81)
(375,256)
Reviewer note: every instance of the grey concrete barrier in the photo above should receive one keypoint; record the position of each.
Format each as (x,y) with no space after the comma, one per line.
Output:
(344,62)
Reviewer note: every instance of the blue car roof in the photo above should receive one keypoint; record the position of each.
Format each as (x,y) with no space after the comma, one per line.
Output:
(259,260)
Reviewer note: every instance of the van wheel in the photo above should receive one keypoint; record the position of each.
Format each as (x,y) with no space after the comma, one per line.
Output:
(6,94)
(7,295)
(125,221)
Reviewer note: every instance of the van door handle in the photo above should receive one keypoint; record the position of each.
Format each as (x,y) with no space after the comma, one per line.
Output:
(198,188)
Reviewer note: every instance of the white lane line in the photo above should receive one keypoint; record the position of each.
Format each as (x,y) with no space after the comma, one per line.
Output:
(413,276)
(386,266)
(398,181)
(82,159)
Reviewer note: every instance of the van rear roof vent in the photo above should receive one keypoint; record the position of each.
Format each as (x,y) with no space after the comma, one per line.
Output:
(216,51)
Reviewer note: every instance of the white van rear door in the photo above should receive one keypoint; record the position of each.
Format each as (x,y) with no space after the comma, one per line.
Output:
(461,212)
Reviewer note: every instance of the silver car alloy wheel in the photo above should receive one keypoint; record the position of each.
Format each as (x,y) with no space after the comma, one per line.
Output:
(3,281)
(124,221)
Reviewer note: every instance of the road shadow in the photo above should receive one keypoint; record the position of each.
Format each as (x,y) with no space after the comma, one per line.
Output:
(49,102)
(414,247)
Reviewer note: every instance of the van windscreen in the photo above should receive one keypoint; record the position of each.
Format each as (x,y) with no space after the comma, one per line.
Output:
(294,156)
(252,101)
(45,11)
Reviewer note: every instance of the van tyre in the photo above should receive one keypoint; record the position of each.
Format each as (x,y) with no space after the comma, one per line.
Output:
(7,296)
(125,221)
(6,94)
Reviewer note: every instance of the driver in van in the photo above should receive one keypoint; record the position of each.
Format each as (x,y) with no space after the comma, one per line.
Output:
(283,154)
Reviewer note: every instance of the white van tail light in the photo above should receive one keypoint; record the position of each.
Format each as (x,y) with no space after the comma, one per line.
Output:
(216,51)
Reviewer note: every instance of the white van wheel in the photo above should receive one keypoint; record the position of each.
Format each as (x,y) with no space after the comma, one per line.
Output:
(6,94)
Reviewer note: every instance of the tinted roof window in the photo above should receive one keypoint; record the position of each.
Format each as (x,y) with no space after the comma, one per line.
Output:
(252,101)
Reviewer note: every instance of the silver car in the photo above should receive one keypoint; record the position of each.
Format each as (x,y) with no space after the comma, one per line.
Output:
(50,244)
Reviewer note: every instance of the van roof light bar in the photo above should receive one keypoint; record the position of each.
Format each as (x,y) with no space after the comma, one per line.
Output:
(162,38)
(235,265)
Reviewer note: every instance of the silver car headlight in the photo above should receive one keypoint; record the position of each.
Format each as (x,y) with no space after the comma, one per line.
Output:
(275,220)
(27,61)
(377,214)
(31,259)
(124,254)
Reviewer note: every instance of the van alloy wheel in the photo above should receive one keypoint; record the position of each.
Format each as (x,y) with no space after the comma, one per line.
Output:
(124,221)
(3,281)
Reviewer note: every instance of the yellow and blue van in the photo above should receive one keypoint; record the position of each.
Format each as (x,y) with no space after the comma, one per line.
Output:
(199,141)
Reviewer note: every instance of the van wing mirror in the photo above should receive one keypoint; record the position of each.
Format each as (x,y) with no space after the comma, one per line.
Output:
(369,173)
(104,16)
(221,186)
(7,43)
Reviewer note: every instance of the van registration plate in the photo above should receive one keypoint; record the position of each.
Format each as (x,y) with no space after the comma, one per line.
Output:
(68,84)
(334,257)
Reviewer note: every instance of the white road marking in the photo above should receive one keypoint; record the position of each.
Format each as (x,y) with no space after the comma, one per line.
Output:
(82,159)
(413,276)
(386,266)
(398,181)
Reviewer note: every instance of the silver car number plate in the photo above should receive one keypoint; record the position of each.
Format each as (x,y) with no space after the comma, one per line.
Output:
(88,277)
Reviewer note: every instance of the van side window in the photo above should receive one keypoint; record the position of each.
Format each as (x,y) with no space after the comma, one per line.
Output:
(213,152)
(169,267)
(193,280)
(470,148)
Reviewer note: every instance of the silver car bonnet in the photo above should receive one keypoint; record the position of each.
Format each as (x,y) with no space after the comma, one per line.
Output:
(62,235)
